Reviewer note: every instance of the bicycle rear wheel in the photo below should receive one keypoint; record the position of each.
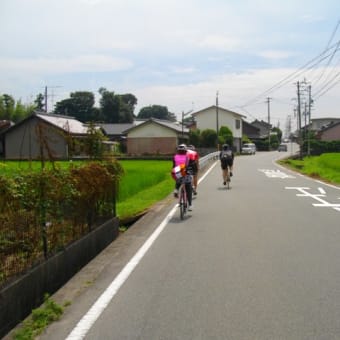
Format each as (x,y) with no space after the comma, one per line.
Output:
(228,180)
(182,203)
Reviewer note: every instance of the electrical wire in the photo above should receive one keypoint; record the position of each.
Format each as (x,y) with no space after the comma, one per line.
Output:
(310,64)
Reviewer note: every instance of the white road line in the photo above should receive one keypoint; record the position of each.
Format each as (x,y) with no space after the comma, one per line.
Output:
(322,191)
(323,203)
(87,321)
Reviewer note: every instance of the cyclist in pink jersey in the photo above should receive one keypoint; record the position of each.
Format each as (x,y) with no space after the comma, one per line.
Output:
(193,166)
(181,158)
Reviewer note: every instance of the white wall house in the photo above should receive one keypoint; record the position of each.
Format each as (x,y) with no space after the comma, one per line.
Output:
(155,136)
(214,117)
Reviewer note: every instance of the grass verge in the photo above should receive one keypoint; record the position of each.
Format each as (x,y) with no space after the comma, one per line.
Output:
(325,167)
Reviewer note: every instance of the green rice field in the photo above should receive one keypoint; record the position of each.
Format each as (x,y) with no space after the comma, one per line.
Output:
(144,183)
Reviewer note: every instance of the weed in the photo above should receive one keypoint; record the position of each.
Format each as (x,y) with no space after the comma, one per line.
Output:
(40,318)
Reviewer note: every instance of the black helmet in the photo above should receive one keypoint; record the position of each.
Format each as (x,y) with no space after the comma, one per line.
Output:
(225,146)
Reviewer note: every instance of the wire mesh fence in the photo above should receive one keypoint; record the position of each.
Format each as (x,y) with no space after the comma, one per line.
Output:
(41,213)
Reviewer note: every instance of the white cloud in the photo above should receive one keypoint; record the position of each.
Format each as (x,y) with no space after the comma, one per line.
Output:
(50,66)
(183,70)
(275,54)
(219,42)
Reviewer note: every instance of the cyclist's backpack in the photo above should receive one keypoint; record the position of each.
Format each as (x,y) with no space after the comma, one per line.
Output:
(226,157)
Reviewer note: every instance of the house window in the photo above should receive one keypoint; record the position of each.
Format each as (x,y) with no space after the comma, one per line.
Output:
(237,124)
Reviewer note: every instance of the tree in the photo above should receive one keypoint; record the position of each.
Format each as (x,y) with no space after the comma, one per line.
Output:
(7,107)
(109,106)
(225,136)
(12,110)
(278,132)
(195,137)
(208,138)
(156,111)
(20,111)
(94,142)
(39,102)
(80,105)
(126,108)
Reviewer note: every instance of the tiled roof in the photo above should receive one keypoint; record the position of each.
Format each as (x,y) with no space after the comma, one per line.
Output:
(116,129)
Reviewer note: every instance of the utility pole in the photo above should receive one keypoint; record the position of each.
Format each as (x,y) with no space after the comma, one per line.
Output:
(46,99)
(299,118)
(309,117)
(46,95)
(217,127)
(268,109)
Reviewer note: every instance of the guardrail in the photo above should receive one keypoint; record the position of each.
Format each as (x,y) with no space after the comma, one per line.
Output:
(208,158)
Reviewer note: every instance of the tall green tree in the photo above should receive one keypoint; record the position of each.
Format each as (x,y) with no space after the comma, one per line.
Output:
(208,138)
(14,110)
(127,107)
(278,132)
(195,137)
(20,112)
(156,111)
(80,105)
(109,106)
(225,135)
(39,102)
(7,107)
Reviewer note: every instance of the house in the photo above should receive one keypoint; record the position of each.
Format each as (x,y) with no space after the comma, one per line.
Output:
(251,131)
(155,136)
(263,127)
(4,125)
(42,135)
(329,133)
(319,123)
(115,132)
(116,136)
(214,117)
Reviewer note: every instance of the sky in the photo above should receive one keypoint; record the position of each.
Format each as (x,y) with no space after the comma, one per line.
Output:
(182,54)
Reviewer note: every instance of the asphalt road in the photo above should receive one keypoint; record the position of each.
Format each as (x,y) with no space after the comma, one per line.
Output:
(258,261)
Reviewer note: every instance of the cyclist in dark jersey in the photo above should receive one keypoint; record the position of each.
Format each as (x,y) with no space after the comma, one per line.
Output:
(227,161)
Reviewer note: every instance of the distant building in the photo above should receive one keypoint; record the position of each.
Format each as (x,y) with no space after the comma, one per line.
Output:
(251,131)
(320,123)
(4,125)
(42,134)
(263,127)
(115,132)
(214,117)
(155,136)
(329,133)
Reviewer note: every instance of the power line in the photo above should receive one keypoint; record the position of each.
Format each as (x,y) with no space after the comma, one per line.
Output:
(331,58)
(325,89)
(312,63)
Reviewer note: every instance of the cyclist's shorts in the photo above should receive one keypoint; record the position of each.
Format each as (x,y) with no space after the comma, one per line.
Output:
(229,164)
(193,169)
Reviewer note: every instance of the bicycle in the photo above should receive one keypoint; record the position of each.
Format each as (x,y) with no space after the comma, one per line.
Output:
(227,177)
(182,200)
